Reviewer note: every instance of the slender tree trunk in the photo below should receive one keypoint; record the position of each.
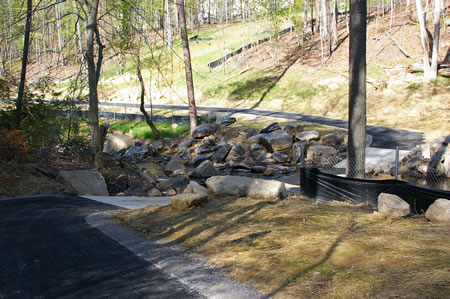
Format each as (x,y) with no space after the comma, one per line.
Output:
(312,16)
(357,90)
(188,67)
(92,37)
(436,37)
(424,40)
(148,120)
(169,26)
(60,41)
(23,72)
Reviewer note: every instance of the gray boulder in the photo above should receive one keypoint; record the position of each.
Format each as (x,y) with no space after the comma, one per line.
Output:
(280,157)
(204,130)
(334,139)
(308,136)
(292,128)
(256,139)
(200,158)
(196,188)
(222,153)
(277,141)
(184,201)
(439,210)
(251,132)
(322,155)
(265,158)
(136,152)
(205,170)
(245,186)
(242,162)
(297,151)
(271,128)
(237,151)
(89,182)
(441,161)
(392,206)
(116,143)
(174,164)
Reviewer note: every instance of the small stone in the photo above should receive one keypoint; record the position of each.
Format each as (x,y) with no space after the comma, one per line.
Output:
(154,192)
(258,169)
(269,171)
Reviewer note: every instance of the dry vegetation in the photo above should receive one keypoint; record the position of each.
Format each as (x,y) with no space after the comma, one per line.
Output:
(295,249)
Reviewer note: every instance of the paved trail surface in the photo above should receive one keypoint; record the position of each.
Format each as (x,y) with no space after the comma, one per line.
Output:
(383,137)
(47,250)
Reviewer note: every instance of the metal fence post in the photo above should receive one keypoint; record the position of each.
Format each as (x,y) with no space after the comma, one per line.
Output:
(302,164)
(397,157)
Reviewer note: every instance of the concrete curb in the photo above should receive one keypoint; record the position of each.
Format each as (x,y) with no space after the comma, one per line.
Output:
(191,270)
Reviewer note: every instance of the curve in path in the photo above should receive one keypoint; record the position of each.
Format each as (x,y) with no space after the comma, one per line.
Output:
(383,137)
(47,250)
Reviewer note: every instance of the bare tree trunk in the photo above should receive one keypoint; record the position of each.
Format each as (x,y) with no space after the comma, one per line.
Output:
(169,26)
(312,16)
(23,72)
(148,119)
(188,67)
(357,90)
(92,37)
(436,37)
(424,40)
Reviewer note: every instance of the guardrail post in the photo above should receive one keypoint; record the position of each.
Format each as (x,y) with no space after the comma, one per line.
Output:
(397,157)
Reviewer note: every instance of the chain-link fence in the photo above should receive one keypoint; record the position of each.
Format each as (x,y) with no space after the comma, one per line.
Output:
(381,164)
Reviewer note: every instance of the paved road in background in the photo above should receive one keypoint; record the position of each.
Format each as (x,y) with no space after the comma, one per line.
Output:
(383,137)
(47,250)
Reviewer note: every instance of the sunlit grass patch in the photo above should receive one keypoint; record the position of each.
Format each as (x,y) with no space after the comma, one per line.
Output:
(142,130)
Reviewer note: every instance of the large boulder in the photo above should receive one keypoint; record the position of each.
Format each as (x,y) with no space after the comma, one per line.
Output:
(307,136)
(245,186)
(116,143)
(136,152)
(204,130)
(205,170)
(89,182)
(322,155)
(277,141)
(439,210)
(184,201)
(174,164)
(392,206)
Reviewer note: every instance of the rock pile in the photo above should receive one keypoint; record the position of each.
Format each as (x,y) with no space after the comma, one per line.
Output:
(428,160)
(218,150)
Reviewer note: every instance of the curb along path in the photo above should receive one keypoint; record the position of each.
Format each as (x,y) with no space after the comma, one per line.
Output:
(194,274)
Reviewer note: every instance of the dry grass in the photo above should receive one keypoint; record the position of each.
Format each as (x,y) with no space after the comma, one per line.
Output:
(295,249)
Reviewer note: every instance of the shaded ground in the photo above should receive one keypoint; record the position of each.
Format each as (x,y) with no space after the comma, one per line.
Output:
(296,249)
(47,250)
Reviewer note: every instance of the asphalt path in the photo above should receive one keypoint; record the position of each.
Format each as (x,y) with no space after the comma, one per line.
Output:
(47,250)
(383,137)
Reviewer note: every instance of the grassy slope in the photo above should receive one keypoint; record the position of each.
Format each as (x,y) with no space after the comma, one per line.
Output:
(301,83)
